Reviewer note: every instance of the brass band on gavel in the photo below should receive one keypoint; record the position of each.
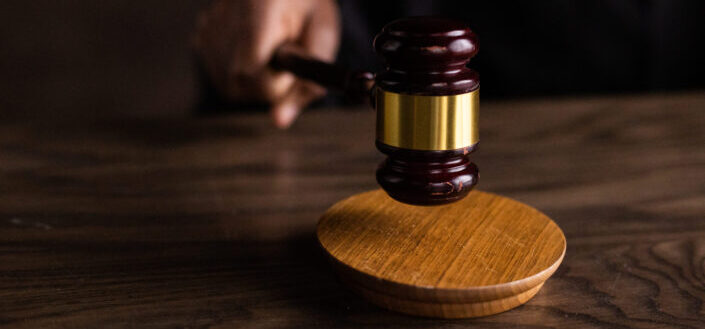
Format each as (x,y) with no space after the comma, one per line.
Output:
(427,122)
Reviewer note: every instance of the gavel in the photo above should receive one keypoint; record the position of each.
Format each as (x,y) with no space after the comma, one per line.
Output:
(427,103)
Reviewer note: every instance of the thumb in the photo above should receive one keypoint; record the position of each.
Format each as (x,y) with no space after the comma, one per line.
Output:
(287,109)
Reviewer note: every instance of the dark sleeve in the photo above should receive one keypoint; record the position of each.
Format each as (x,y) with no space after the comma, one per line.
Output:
(556,47)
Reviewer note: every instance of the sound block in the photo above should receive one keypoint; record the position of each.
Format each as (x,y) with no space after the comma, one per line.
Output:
(479,256)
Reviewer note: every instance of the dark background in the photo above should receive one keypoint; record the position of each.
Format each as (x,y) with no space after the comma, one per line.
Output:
(118,57)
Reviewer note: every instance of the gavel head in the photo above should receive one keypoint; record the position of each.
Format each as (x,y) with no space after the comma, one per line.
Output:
(427,103)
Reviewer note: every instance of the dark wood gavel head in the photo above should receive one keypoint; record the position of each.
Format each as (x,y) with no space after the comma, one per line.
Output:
(427,102)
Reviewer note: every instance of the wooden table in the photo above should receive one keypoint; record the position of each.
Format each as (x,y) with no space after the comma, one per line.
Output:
(184,222)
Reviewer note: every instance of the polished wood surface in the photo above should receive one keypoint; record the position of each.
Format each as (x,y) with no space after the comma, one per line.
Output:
(427,177)
(426,56)
(483,255)
(188,222)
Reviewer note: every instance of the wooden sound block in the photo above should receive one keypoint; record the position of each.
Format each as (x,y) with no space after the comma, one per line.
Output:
(479,256)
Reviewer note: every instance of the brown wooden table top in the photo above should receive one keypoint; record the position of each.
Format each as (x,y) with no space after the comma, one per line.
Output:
(188,222)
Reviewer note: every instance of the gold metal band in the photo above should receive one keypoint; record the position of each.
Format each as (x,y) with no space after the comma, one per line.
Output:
(427,122)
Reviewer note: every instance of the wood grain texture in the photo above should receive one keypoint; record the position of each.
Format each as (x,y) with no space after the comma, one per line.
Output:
(445,310)
(479,256)
(209,223)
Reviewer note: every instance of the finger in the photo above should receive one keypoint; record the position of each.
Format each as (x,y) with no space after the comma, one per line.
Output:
(321,35)
(285,111)
(281,21)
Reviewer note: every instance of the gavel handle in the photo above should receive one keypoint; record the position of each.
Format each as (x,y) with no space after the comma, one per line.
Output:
(355,84)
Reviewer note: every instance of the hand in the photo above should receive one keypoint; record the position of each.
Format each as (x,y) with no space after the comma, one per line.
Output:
(237,38)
